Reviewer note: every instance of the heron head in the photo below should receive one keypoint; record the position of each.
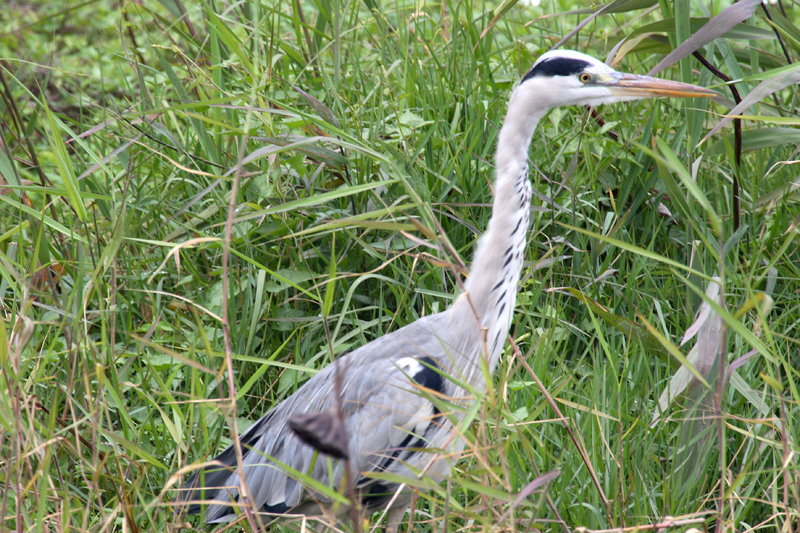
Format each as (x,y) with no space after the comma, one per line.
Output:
(563,77)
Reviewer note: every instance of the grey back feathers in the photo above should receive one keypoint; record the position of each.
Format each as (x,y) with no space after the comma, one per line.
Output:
(386,413)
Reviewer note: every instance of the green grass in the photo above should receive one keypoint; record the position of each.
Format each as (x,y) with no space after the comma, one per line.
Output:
(124,137)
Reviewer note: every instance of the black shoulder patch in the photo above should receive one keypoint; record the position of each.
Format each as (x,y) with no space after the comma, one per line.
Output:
(278,508)
(377,495)
(558,66)
(429,377)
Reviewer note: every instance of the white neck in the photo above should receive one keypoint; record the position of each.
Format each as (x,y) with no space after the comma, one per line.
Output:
(496,267)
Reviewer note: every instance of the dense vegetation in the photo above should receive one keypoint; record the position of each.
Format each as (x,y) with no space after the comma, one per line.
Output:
(270,184)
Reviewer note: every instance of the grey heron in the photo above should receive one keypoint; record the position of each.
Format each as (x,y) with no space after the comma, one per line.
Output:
(392,424)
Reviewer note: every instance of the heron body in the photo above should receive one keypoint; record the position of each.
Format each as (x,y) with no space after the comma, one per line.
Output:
(392,424)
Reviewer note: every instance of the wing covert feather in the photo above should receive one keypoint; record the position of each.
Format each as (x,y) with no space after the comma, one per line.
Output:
(382,408)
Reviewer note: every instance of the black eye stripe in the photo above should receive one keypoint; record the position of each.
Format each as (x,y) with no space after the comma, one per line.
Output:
(557,66)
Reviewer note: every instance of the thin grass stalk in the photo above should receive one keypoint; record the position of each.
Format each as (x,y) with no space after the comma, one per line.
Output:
(737,136)
(785,447)
(44,181)
(231,408)
(775,29)
(722,368)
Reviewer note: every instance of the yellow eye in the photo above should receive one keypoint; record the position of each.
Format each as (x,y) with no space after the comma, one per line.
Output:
(585,77)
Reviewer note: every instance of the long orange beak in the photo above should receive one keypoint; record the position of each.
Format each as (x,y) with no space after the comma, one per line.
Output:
(644,86)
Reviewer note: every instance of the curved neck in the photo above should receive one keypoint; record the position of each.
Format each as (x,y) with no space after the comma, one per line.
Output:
(496,267)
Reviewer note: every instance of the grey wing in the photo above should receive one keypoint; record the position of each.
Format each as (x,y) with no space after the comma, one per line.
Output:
(384,415)
(392,433)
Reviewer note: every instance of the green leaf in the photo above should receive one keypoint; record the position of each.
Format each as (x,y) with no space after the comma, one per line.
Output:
(225,35)
(64,163)
(265,365)
(43,217)
(758,139)
(674,351)
(616,6)
(288,277)
(761,91)
(628,327)
(713,29)
(197,124)
(330,285)
(672,161)
(319,108)
(173,7)
(634,249)
(773,383)
(740,31)
(319,153)
(317,199)
(8,172)
(776,19)
(789,121)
